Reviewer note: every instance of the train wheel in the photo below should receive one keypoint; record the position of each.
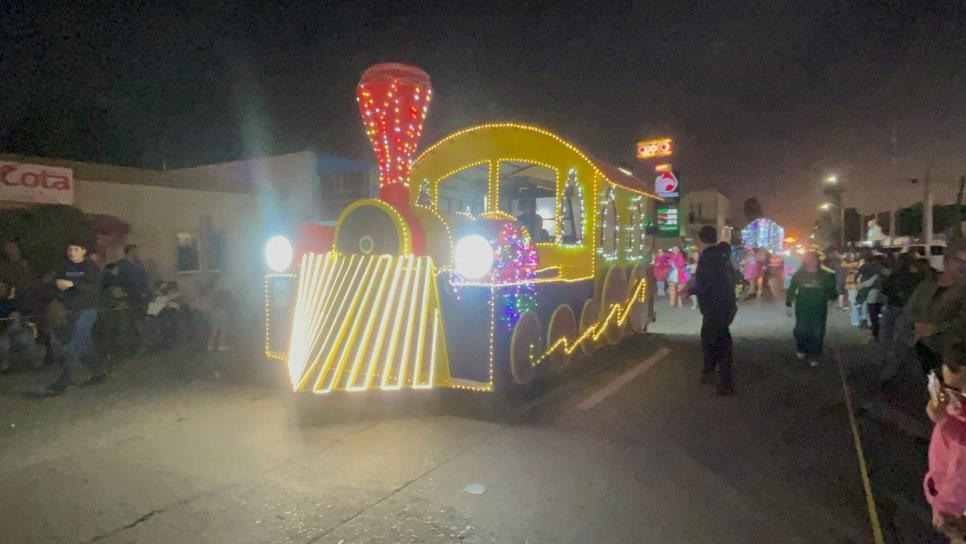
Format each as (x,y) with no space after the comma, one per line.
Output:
(615,292)
(524,348)
(588,318)
(638,318)
(563,325)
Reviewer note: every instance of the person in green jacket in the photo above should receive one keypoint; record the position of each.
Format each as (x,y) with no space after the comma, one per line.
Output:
(811,290)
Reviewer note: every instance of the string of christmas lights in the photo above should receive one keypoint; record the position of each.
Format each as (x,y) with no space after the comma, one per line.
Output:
(607,219)
(763,233)
(515,264)
(572,191)
(393,100)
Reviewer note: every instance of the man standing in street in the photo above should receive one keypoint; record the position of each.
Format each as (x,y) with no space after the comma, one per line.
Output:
(79,283)
(714,285)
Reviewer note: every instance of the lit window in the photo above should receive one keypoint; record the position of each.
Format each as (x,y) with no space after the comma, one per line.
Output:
(572,212)
(464,192)
(608,224)
(529,192)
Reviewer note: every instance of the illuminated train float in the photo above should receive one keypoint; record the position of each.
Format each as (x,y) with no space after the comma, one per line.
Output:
(514,250)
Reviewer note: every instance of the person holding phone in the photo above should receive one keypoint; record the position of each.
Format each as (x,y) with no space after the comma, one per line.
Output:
(945,483)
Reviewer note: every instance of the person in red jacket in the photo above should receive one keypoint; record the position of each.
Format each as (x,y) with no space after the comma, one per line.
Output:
(662,266)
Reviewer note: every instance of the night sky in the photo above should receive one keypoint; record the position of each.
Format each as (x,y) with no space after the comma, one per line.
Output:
(762,99)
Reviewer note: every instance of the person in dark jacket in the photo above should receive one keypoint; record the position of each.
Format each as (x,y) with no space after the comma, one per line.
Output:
(897,288)
(16,332)
(112,335)
(811,291)
(79,283)
(132,271)
(934,315)
(714,285)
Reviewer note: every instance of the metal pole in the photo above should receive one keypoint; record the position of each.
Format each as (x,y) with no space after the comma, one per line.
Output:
(958,221)
(841,220)
(892,225)
(927,215)
(893,153)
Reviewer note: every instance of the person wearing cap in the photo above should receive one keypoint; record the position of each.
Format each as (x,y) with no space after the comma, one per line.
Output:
(79,283)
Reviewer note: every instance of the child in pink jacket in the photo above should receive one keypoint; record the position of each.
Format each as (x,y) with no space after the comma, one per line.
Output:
(945,483)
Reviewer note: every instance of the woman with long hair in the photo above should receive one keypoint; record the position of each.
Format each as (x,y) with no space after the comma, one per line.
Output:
(677,276)
(808,297)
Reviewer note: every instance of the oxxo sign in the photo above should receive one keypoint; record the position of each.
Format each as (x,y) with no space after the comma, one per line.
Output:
(36,183)
(651,149)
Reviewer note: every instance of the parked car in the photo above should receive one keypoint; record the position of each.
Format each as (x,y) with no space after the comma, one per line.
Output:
(934,253)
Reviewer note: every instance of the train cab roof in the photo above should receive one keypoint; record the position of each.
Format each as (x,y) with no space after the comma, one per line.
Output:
(480,146)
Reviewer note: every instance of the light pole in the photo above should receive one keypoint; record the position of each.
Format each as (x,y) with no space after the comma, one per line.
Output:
(827,207)
(833,188)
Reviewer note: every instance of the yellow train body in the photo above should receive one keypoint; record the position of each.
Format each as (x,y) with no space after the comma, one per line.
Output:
(385,308)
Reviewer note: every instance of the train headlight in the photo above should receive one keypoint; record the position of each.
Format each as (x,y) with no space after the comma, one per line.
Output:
(473,257)
(278,253)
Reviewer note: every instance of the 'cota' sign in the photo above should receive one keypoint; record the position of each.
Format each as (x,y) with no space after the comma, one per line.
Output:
(35,183)
(652,149)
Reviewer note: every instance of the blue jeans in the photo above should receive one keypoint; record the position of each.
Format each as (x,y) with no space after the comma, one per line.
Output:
(860,311)
(19,336)
(74,342)
(81,339)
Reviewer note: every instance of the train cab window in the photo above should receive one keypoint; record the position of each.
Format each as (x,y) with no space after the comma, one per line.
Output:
(607,225)
(529,192)
(464,192)
(571,212)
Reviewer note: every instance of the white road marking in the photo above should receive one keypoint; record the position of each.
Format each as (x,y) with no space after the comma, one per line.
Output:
(622,380)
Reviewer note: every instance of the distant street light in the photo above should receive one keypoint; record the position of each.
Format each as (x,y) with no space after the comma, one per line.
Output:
(826,206)
(832,180)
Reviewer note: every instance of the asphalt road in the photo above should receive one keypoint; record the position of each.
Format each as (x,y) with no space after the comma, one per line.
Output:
(628,448)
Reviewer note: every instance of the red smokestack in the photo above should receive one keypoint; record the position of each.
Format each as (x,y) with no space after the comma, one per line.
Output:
(393,101)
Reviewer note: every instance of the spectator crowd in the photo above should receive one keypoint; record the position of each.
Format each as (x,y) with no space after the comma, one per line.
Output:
(88,316)
(917,315)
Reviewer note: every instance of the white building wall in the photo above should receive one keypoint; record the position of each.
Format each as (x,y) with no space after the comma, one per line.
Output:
(709,208)
(157,214)
(286,186)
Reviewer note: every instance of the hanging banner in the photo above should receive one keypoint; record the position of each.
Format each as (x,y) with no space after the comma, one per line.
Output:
(36,183)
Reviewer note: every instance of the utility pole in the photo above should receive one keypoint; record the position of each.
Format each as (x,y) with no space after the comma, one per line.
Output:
(927,214)
(958,221)
(893,153)
(833,188)
(841,221)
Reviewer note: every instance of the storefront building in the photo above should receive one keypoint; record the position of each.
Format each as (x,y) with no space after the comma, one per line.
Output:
(192,224)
